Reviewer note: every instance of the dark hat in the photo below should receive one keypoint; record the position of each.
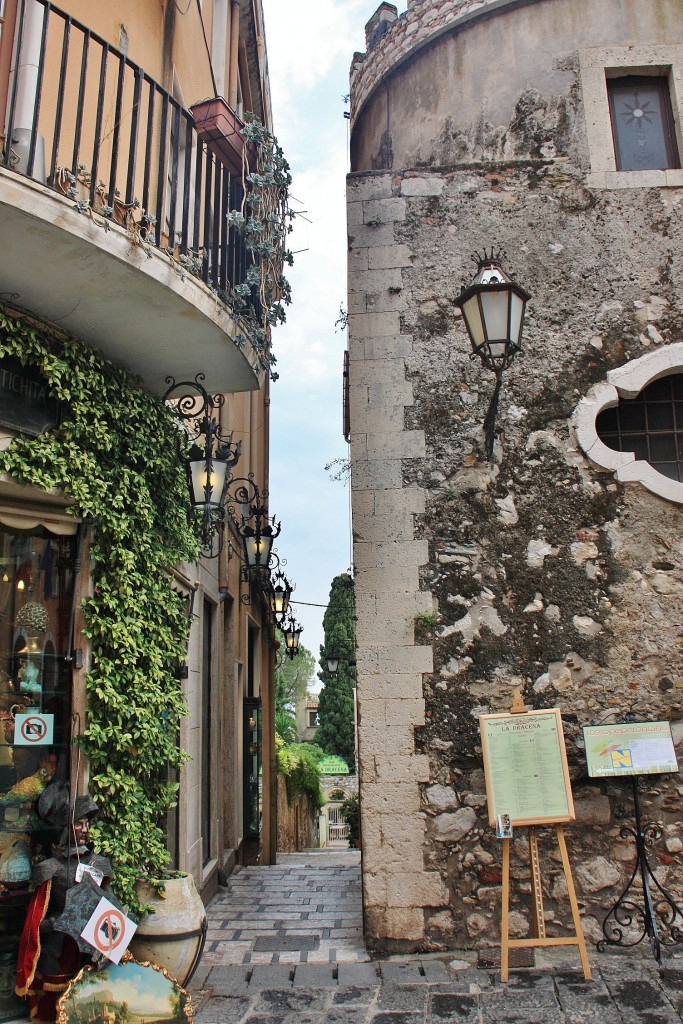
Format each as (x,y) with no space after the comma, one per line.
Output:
(85,807)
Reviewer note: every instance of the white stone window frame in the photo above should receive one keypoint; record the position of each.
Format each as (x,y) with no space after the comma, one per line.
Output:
(596,66)
(627,382)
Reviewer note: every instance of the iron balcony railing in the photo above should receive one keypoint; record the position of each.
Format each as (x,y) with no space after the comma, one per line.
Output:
(92,125)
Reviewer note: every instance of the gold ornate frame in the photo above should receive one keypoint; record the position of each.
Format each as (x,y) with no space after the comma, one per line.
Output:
(62,1005)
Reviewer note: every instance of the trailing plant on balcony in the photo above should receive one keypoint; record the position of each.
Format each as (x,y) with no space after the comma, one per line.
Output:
(265,220)
(114,456)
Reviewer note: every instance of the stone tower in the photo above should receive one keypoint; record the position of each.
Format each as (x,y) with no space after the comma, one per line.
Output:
(550,129)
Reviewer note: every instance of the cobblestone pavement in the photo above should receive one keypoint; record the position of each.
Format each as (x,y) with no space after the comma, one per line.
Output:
(306,909)
(298,980)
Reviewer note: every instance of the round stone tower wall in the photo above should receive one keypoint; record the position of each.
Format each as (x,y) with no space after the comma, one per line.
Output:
(554,567)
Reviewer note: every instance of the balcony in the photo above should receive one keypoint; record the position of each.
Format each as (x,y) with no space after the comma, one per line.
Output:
(114,210)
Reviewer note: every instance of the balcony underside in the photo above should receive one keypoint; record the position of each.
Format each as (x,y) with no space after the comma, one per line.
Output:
(135,305)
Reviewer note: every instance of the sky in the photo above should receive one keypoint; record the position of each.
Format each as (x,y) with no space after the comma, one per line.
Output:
(310,44)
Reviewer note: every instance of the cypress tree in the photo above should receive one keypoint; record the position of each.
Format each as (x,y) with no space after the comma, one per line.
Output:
(336,734)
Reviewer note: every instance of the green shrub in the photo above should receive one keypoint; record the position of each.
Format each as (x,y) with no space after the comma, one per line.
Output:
(299,767)
(351,812)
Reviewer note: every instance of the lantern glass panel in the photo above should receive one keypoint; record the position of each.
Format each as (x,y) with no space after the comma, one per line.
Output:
(472,314)
(257,549)
(279,601)
(516,318)
(495,307)
(198,476)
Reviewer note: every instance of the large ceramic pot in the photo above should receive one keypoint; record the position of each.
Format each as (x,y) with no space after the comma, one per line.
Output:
(173,935)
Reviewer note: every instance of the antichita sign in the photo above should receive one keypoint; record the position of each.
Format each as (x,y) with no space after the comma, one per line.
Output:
(26,405)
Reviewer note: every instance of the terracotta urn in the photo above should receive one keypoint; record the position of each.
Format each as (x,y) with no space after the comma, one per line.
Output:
(173,935)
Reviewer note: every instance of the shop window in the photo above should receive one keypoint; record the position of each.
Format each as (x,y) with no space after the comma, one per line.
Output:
(37,580)
(642,123)
(632,423)
(252,769)
(650,426)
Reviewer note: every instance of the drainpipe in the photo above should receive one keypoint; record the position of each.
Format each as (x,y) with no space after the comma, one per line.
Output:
(25,88)
(234,55)
(221,44)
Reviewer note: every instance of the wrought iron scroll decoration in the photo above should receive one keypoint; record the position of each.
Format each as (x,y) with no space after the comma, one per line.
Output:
(637,915)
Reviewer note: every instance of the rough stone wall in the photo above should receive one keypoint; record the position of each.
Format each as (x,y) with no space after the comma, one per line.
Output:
(329,783)
(536,570)
(297,823)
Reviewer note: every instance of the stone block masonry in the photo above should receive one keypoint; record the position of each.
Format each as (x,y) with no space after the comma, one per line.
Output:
(416,27)
(387,557)
(546,568)
(473,579)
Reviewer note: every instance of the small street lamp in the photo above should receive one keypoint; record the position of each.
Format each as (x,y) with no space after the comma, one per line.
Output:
(279,597)
(258,532)
(493,309)
(291,631)
(208,461)
(332,659)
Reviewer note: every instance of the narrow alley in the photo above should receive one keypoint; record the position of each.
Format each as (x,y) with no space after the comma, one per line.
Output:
(306,909)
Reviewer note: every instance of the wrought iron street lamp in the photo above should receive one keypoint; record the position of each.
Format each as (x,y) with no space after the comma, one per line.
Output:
(258,532)
(208,460)
(291,631)
(279,597)
(493,309)
(332,659)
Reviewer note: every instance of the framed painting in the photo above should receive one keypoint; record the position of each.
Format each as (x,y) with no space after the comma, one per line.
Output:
(126,993)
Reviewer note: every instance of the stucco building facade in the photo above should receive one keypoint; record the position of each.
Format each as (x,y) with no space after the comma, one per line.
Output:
(556,566)
(117,250)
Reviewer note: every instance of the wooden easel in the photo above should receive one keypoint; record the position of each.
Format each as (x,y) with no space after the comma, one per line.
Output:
(539,938)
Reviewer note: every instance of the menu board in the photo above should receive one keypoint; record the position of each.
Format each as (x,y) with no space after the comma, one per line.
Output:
(525,765)
(630,748)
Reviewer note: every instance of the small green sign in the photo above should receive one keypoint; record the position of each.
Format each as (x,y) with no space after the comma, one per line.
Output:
(333,765)
(632,748)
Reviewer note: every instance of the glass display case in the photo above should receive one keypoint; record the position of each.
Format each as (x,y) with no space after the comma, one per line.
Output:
(36,608)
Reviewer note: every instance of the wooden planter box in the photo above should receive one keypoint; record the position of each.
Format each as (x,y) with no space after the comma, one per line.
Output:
(219,126)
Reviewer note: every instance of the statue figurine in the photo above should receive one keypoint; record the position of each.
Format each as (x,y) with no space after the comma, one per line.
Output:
(28,679)
(49,959)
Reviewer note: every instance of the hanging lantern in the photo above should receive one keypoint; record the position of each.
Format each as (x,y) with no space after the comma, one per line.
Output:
(332,659)
(209,462)
(280,594)
(258,533)
(292,631)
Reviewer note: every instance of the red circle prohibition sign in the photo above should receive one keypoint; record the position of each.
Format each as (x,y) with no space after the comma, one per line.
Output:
(112,925)
(33,729)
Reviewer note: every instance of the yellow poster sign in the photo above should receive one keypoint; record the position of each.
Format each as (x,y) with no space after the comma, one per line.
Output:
(629,748)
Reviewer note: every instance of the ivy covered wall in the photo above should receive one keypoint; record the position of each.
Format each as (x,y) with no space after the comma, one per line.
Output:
(114,456)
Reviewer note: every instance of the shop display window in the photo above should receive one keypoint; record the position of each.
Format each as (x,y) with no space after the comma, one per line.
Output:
(252,769)
(36,612)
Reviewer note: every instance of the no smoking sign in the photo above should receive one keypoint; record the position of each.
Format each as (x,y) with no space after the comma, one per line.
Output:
(33,729)
(109,931)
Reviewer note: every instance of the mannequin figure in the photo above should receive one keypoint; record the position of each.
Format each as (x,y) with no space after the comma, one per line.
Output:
(49,959)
